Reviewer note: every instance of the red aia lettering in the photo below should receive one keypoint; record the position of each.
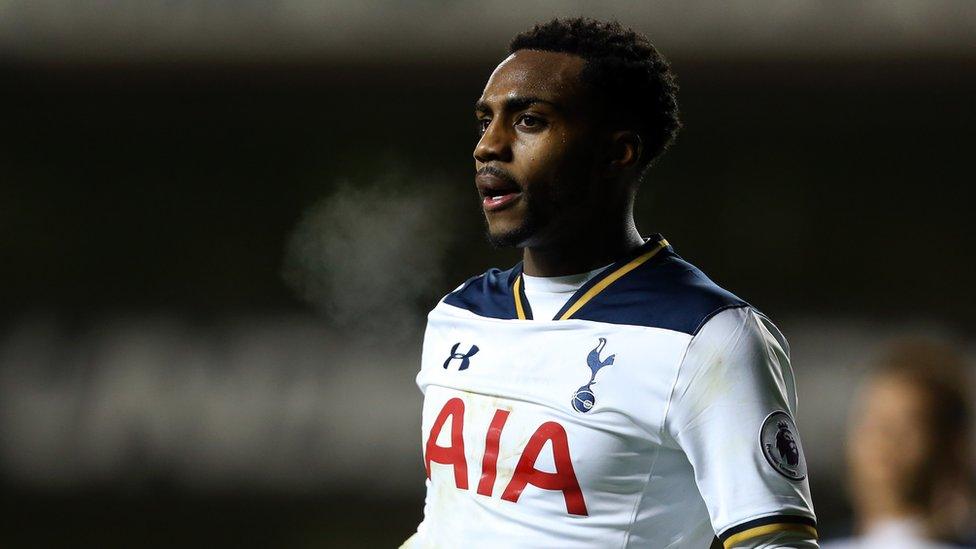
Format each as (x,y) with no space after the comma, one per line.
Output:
(453,454)
(564,479)
(488,463)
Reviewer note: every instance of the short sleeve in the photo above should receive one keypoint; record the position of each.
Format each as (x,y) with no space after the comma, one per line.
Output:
(732,413)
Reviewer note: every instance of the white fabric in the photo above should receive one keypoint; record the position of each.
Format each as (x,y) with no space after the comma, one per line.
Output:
(548,294)
(889,534)
(668,455)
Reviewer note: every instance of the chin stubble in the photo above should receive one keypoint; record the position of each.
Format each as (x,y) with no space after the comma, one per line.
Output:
(517,236)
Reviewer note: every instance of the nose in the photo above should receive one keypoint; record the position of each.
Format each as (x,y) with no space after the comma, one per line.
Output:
(494,144)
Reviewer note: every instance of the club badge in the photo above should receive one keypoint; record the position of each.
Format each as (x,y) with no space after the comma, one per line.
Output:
(584,399)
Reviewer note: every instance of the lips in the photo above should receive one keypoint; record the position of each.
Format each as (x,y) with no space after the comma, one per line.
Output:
(496,192)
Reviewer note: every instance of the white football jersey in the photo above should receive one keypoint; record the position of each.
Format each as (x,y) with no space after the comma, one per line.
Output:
(654,410)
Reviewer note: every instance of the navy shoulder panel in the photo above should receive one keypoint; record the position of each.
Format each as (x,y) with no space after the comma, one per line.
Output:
(489,294)
(666,292)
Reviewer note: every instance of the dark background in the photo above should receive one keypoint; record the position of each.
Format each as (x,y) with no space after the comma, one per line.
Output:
(827,189)
(175,186)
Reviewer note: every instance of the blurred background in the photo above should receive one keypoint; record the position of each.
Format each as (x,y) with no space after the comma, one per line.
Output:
(222,224)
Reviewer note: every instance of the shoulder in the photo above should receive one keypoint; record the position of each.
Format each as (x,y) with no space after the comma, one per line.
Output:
(739,354)
(488,294)
(741,332)
(665,292)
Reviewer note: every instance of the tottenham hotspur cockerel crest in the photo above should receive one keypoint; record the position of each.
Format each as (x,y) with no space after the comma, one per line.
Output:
(584,399)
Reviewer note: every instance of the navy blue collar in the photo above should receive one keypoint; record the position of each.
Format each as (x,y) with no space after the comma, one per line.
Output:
(594,286)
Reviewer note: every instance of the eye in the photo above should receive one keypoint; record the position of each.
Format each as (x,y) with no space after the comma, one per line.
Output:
(482,125)
(529,121)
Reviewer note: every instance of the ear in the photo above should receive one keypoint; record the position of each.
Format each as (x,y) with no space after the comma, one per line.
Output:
(624,150)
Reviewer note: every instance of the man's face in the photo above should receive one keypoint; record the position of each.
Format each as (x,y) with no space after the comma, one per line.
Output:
(890,446)
(535,159)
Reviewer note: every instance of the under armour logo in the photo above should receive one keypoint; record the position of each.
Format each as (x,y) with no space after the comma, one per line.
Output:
(463,357)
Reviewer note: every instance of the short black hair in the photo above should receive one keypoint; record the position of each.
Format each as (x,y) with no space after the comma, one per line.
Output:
(623,69)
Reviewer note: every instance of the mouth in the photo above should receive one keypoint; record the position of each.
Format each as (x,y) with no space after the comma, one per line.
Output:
(496,192)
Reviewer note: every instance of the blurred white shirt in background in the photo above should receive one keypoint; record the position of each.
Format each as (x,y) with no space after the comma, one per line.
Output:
(889,534)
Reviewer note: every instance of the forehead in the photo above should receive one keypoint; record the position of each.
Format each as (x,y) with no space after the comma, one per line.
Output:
(543,74)
(895,392)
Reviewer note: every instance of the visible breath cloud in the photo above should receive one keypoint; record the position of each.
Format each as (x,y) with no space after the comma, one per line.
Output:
(368,257)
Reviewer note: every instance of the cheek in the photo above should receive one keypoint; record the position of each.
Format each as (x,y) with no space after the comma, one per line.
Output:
(556,167)
(537,165)
(888,449)
(534,153)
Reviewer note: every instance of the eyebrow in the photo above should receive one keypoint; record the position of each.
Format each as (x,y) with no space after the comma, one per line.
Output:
(515,103)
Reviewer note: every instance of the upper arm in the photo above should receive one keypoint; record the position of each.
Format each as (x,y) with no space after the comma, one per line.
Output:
(731,413)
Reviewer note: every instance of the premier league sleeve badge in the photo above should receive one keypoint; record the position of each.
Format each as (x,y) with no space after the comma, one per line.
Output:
(780,443)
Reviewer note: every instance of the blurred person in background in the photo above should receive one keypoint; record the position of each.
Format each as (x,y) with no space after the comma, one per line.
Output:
(909,451)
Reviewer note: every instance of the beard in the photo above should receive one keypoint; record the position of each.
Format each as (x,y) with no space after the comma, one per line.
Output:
(548,206)
(513,238)
(534,220)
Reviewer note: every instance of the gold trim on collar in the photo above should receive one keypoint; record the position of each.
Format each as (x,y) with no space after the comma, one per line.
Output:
(610,279)
(517,292)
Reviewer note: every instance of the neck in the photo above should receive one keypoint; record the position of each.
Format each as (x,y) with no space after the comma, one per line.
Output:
(592,249)
(883,506)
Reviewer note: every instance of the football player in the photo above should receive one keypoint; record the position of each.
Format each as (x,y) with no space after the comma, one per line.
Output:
(603,392)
